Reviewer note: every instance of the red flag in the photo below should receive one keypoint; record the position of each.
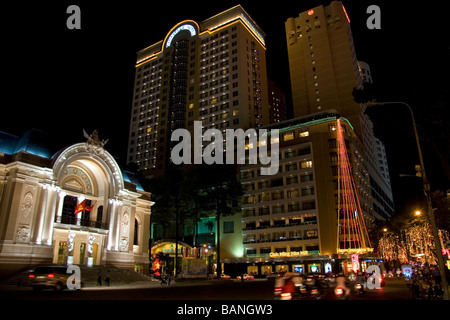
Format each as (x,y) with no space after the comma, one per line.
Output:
(82,207)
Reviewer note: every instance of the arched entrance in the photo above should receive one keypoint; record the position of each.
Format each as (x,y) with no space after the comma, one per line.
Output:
(163,255)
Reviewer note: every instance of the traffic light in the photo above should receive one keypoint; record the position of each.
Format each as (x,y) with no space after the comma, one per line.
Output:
(418,171)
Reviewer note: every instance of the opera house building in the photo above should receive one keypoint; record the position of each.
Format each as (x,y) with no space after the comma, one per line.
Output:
(75,205)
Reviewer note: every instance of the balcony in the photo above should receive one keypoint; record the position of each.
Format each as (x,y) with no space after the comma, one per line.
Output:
(73,220)
(280,239)
(292,224)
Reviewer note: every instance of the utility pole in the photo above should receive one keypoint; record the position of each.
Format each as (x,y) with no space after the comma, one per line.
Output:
(426,190)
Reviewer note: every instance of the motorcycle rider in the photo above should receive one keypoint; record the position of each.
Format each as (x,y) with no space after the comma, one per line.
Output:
(360,279)
(341,283)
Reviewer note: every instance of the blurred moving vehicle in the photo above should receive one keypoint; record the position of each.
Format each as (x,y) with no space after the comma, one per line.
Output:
(224,276)
(359,288)
(297,285)
(275,275)
(49,277)
(245,276)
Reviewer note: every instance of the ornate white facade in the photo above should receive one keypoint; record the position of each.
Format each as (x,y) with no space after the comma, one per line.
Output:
(38,196)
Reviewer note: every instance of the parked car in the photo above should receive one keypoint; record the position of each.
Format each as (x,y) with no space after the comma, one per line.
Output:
(245,276)
(224,276)
(49,277)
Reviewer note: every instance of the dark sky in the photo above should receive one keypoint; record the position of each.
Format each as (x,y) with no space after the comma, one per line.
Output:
(62,81)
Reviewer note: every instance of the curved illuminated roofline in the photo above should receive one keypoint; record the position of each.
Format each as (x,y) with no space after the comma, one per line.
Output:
(188,25)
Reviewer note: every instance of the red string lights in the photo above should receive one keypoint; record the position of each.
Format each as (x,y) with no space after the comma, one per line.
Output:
(352,232)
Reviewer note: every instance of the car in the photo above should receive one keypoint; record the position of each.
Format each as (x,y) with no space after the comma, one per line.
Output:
(49,277)
(275,275)
(224,276)
(245,276)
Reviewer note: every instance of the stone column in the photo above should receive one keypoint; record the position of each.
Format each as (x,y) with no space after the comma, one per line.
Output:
(55,211)
(47,228)
(41,216)
(61,195)
(114,217)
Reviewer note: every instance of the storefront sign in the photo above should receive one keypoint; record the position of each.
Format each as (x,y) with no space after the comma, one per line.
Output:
(355,262)
(288,254)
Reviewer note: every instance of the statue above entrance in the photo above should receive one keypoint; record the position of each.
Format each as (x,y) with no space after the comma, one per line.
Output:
(93,143)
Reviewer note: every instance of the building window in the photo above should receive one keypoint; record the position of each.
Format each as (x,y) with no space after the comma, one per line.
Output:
(334,157)
(288,136)
(303,134)
(136,233)
(228,226)
(306,164)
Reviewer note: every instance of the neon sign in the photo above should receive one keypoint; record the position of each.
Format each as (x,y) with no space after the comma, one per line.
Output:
(355,262)
(288,254)
(187,27)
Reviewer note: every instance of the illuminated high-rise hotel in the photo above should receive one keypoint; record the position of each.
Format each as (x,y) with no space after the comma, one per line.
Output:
(324,70)
(213,71)
(322,62)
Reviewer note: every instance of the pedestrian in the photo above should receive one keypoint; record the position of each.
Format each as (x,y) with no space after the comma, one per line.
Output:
(99,277)
(108,278)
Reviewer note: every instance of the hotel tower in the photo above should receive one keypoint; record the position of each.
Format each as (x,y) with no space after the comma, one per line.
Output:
(324,71)
(213,71)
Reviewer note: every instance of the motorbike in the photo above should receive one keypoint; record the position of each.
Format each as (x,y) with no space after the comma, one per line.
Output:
(339,292)
(359,288)
(312,288)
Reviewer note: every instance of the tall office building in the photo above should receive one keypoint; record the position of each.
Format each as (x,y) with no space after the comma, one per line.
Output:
(324,71)
(323,64)
(277,103)
(213,71)
(320,206)
(378,150)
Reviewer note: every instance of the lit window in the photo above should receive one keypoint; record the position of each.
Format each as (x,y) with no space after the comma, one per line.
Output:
(306,164)
(304,134)
(288,136)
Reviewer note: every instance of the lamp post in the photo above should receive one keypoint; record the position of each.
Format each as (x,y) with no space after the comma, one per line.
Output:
(426,189)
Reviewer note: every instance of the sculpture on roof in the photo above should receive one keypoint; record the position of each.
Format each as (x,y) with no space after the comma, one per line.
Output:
(93,143)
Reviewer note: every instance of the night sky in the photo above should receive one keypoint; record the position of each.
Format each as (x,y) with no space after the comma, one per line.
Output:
(61,81)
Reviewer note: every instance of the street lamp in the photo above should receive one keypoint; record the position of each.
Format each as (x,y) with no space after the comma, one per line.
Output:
(418,213)
(426,189)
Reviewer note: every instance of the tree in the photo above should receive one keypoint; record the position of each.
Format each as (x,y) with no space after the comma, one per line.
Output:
(366,94)
(172,202)
(193,188)
(441,201)
(219,191)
